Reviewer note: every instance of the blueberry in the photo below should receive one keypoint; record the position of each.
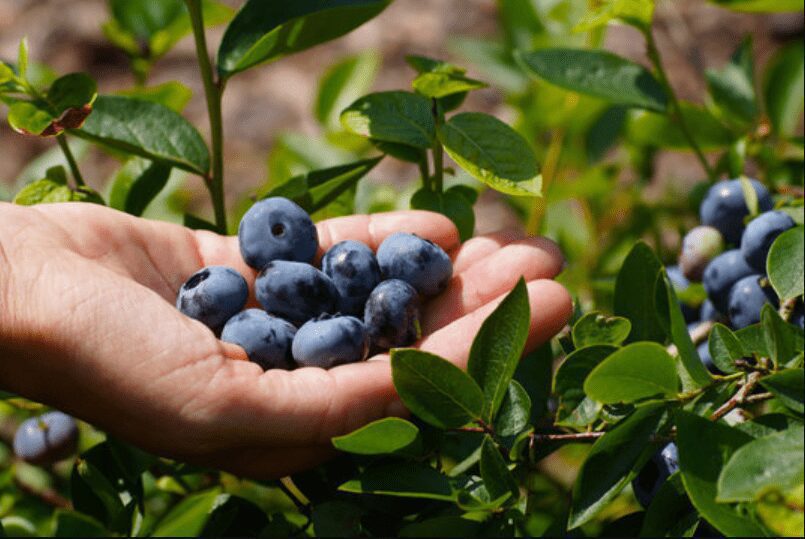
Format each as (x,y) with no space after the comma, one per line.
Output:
(277,229)
(724,207)
(760,234)
(798,316)
(420,263)
(46,439)
(354,270)
(747,298)
(329,341)
(266,339)
(708,312)
(392,315)
(701,245)
(721,274)
(707,358)
(213,295)
(680,284)
(662,465)
(295,291)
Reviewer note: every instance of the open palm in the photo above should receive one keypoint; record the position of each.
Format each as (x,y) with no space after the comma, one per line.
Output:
(88,326)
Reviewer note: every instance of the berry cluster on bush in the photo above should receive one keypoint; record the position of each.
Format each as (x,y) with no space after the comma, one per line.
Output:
(356,302)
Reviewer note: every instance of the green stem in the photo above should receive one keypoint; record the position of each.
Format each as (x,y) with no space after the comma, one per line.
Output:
(68,154)
(425,173)
(213,91)
(438,151)
(656,61)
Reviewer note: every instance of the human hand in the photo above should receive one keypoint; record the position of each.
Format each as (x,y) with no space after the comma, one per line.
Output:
(88,325)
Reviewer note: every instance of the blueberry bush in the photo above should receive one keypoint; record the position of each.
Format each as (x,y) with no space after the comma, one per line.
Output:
(672,405)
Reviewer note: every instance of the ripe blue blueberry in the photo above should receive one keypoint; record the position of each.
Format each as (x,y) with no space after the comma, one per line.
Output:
(701,245)
(213,295)
(760,234)
(266,339)
(680,284)
(798,316)
(662,465)
(419,262)
(707,358)
(721,274)
(295,291)
(724,207)
(277,229)
(46,439)
(392,315)
(354,270)
(747,298)
(708,312)
(330,341)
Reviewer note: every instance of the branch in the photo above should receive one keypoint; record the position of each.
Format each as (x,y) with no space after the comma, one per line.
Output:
(739,398)
(787,309)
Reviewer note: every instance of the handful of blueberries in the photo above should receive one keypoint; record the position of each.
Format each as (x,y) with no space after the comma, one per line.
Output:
(357,302)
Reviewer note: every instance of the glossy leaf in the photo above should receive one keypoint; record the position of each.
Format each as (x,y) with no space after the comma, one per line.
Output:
(404,480)
(651,129)
(635,372)
(783,340)
(634,294)
(600,74)
(66,105)
(398,117)
(498,346)
(733,87)
(384,436)
(53,188)
(343,83)
(596,328)
(146,129)
(670,513)
(781,511)
(750,470)
(575,408)
(704,449)
(613,462)
(450,203)
(753,340)
(498,480)
(725,348)
(784,85)
(189,516)
(73,524)
(789,387)
(172,94)
(439,84)
(492,152)
(435,390)
(136,184)
(234,516)
(515,411)
(266,31)
(785,263)
(197,223)
(753,6)
(638,13)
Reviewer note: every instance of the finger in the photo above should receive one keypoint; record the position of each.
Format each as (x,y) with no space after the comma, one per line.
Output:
(480,247)
(532,259)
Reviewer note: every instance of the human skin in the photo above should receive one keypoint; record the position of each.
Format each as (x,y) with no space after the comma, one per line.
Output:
(88,326)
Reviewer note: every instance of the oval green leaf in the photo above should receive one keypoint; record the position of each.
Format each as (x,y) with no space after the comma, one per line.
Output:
(600,74)
(381,437)
(435,390)
(498,480)
(596,328)
(189,516)
(515,411)
(789,387)
(493,153)
(785,264)
(451,204)
(136,184)
(575,408)
(784,86)
(265,31)
(404,480)
(146,129)
(645,128)
(399,117)
(724,348)
(638,371)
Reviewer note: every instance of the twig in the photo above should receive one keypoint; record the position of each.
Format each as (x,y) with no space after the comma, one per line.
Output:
(737,399)
(47,495)
(759,397)
(701,332)
(787,309)
(68,155)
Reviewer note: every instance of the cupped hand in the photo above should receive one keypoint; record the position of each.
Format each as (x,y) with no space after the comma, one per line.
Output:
(88,325)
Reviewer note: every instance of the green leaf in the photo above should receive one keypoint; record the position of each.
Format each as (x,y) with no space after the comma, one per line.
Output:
(438,85)
(498,346)
(534,373)
(172,94)
(266,31)
(14,526)
(785,264)
(783,340)
(725,348)
(596,328)
(197,223)
(22,58)
(233,516)
(644,128)
(750,195)
(750,470)
(733,87)
(498,480)
(614,460)
(382,437)
(42,192)
(146,129)
(73,524)
(782,513)
(670,513)
(399,117)
(600,74)
(753,340)
(404,480)
(575,408)
(446,526)
(343,83)
(492,152)
(435,390)
(635,372)
(704,448)
(449,203)
(337,519)
(136,184)
(634,294)
(144,18)
(784,86)
(189,516)
(638,13)
(515,411)
(66,105)
(789,387)
(753,6)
